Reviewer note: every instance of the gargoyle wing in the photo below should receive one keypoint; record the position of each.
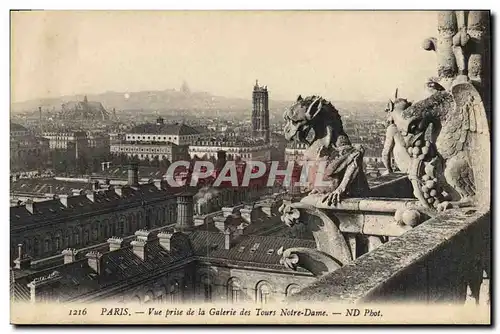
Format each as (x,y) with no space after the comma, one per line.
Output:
(471,120)
(473,136)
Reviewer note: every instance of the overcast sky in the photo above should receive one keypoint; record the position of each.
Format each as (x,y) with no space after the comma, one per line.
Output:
(339,55)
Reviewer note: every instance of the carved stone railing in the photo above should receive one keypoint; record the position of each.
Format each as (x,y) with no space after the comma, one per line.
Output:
(437,261)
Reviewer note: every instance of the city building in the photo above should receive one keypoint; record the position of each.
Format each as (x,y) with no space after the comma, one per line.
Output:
(260,112)
(235,148)
(156,141)
(235,258)
(27,152)
(89,217)
(67,140)
(160,132)
(98,141)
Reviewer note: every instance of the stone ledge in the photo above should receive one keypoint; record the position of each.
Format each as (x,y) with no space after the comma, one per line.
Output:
(364,278)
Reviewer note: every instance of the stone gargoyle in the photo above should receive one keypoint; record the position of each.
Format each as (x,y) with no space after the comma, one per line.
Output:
(395,144)
(317,123)
(449,167)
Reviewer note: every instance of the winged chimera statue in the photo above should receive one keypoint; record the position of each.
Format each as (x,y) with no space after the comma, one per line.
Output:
(315,121)
(454,169)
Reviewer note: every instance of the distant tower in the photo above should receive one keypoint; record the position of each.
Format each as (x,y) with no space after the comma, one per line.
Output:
(41,121)
(185,88)
(260,112)
(85,99)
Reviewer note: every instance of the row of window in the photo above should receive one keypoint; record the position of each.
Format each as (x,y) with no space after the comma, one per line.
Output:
(135,149)
(263,291)
(93,233)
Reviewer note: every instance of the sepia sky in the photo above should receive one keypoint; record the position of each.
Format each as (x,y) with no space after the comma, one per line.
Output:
(339,55)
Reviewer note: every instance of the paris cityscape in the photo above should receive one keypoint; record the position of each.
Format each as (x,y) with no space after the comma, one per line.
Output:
(180,194)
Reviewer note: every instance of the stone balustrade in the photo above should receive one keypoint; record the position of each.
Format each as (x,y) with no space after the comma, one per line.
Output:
(445,259)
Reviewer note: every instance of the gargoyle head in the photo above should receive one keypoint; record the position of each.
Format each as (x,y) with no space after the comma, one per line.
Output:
(310,113)
(395,110)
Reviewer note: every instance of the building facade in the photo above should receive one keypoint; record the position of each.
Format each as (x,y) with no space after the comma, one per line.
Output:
(232,260)
(166,151)
(89,217)
(245,150)
(67,140)
(27,151)
(160,132)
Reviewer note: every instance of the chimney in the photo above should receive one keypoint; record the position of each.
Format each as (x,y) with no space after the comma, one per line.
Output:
(185,208)
(77,192)
(133,175)
(227,211)
(91,195)
(246,214)
(94,260)
(119,191)
(240,230)
(139,244)
(220,223)
(267,207)
(228,238)
(64,200)
(165,238)
(69,255)
(44,288)
(115,243)
(158,184)
(30,206)
(23,261)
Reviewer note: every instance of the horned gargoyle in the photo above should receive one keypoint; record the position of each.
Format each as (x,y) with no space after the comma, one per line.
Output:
(451,166)
(315,121)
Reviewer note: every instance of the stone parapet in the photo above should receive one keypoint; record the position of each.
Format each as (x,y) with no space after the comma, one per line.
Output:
(438,261)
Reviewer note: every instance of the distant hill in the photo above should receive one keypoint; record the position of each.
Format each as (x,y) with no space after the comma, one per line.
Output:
(168,100)
(146,100)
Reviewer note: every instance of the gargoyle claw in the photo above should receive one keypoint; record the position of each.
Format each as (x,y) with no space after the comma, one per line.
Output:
(443,206)
(332,198)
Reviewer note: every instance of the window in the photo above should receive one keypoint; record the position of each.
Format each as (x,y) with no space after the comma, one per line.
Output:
(263,292)
(174,292)
(76,238)
(207,288)
(85,237)
(292,289)
(149,297)
(234,290)
(58,243)
(36,247)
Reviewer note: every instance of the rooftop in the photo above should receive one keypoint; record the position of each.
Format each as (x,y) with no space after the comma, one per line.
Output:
(162,128)
(122,266)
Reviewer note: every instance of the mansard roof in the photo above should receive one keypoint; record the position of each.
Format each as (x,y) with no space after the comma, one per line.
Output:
(255,250)
(164,129)
(51,210)
(122,266)
(119,266)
